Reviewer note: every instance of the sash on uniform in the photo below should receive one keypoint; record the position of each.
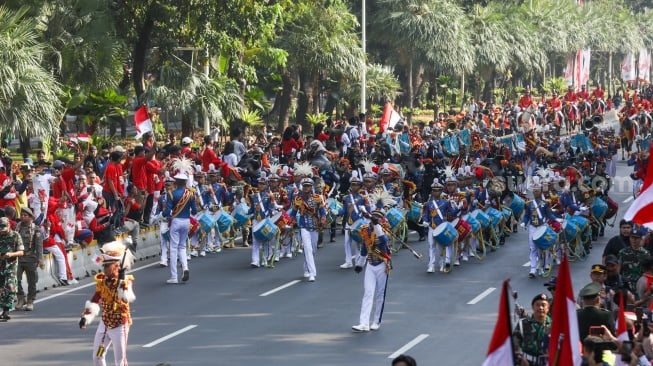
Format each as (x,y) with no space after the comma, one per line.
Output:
(182,203)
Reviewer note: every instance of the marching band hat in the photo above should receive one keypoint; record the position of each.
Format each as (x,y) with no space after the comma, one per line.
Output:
(379,212)
(263,178)
(181,175)
(355,178)
(436,184)
(370,176)
(307,182)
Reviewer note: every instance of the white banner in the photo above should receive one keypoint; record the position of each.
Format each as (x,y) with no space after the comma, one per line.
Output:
(628,68)
(569,71)
(584,68)
(644,66)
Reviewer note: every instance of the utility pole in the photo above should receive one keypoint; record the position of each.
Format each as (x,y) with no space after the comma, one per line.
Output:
(364,61)
(207,123)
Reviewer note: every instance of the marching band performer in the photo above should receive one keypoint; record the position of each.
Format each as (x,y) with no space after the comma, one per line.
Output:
(180,205)
(312,218)
(375,259)
(536,213)
(436,212)
(354,206)
(113,294)
(261,206)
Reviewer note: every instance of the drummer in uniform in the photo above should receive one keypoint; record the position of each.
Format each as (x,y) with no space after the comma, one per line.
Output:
(355,209)
(437,211)
(281,201)
(369,183)
(312,218)
(221,197)
(388,184)
(536,213)
(205,201)
(261,206)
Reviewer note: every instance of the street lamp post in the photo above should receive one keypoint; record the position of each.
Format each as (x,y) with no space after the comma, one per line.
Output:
(363,107)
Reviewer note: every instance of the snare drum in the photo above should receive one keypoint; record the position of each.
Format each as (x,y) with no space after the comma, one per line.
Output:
(223,221)
(194,227)
(599,208)
(241,214)
(206,222)
(335,207)
(495,216)
(482,218)
(394,216)
(282,220)
(571,230)
(462,227)
(506,212)
(579,220)
(356,229)
(544,237)
(445,234)
(517,205)
(613,207)
(476,226)
(415,212)
(265,230)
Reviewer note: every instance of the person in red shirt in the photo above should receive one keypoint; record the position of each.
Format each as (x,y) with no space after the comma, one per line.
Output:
(186,149)
(570,96)
(526,100)
(208,154)
(598,92)
(113,188)
(554,102)
(289,145)
(583,94)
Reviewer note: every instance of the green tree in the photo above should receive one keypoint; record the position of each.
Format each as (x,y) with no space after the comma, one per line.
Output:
(29,95)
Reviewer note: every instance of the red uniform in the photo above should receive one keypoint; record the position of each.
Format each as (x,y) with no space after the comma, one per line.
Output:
(525,102)
(570,97)
(583,94)
(554,103)
(598,93)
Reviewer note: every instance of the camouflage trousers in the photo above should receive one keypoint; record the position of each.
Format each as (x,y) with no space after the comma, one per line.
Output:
(8,285)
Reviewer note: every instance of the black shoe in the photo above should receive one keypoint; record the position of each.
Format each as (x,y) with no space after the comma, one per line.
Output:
(514,228)
(531,275)
(186,275)
(5,315)
(422,238)
(64,282)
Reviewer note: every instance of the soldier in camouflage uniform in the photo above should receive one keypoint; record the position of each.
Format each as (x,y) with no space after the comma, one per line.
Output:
(531,335)
(32,239)
(11,247)
(631,257)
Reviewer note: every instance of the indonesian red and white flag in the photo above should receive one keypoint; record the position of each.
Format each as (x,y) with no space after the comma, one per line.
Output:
(142,121)
(641,211)
(83,137)
(564,342)
(628,68)
(569,71)
(390,117)
(644,66)
(500,351)
(622,328)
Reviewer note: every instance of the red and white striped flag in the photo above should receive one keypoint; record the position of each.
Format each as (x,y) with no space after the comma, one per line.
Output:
(564,342)
(641,210)
(500,351)
(83,137)
(389,118)
(142,121)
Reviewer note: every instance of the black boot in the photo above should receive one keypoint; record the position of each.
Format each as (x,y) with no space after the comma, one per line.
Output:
(422,233)
(5,314)
(320,243)
(333,236)
(514,228)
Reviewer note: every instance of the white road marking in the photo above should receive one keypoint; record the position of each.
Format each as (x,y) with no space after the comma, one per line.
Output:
(481,296)
(628,199)
(280,288)
(409,345)
(527,264)
(89,284)
(173,334)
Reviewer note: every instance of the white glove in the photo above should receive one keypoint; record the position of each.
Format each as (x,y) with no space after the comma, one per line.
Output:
(582,208)
(522,225)
(560,220)
(475,202)
(425,224)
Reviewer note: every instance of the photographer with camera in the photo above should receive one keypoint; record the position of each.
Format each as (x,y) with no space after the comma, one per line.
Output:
(531,335)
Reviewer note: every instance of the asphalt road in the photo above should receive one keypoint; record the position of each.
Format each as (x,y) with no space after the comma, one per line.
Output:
(221,316)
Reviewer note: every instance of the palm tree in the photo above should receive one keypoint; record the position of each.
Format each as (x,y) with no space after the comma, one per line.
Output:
(195,95)
(321,39)
(417,32)
(29,95)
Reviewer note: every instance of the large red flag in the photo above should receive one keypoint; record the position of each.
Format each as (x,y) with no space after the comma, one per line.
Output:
(499,352)
(641,211)
(142,121)
(564,342)
(389,118)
